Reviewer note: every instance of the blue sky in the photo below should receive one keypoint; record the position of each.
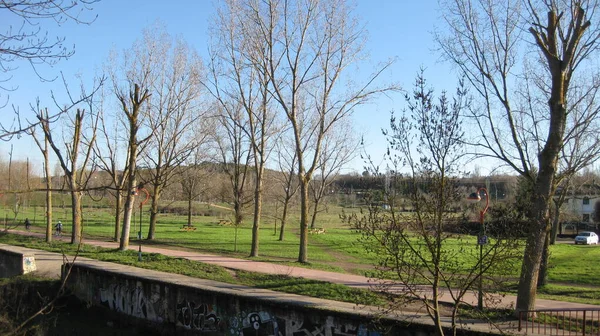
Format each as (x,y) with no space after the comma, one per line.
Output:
(400,29)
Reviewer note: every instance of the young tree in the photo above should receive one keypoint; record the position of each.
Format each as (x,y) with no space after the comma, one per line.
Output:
(234,150)
(485,41)
(424,160)
(339,148)
(286,159)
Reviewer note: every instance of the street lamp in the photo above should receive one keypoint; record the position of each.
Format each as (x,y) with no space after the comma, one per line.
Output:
(481,239)
(136,191)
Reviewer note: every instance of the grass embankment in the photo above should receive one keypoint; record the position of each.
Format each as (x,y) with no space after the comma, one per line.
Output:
(163,263)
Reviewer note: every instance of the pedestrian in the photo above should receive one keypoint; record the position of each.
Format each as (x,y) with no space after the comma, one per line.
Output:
(27,224)
(58,228)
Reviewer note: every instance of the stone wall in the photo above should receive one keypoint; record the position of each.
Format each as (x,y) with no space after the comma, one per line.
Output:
(15,261)
(182,305)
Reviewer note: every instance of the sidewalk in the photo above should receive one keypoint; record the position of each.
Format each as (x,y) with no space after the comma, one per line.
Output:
(350,280)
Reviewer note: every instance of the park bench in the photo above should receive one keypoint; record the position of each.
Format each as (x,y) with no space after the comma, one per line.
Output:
(316,231)
(224,222)
(188,228)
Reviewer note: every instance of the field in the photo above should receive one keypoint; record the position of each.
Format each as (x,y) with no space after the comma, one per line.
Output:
(573,274)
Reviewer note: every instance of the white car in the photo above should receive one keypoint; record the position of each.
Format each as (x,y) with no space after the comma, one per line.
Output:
(586,238)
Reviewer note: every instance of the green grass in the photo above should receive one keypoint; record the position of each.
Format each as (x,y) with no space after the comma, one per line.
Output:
(572,266)
(163,263)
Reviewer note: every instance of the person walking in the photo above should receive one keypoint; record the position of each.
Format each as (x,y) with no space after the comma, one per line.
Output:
(27,224)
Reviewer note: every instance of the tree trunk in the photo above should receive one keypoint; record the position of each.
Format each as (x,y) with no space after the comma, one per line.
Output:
(127,217)
(555,223)
(313,218)
(303,253)
(76,209)
(48,196)
(153,213)
(189,214)
(543,277)
(543,191)
(283,219)
(118,202)
(256,219)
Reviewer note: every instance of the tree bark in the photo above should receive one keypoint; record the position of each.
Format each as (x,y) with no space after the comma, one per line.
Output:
(543,276)
(118,202)
(189,212)
(313,218)
(76,208)
(154,212)
(543,191)
(48,194)
(127,216)
(283,219)
(303,251)
(257,213)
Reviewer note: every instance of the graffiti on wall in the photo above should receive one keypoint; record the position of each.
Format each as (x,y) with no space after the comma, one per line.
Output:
(197,316)
(132,300)
(28,264)
(265,324)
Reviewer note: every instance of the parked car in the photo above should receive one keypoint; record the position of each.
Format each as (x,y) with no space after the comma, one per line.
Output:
(586,238)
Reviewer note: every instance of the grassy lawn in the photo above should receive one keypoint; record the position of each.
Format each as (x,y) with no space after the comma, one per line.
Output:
(163,263)
(573,273)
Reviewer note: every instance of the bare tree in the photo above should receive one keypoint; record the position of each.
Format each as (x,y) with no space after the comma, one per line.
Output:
(286,159)
(425,142)
(107,154)
(28,41)
(174,112)
(132,105)
(339,148)
(234,150)
(193,177)
(44,147)
(239,56)
(309,46)
(72,152)
(485,40)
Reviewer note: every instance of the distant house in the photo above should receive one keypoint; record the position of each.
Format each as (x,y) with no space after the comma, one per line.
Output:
(580,203)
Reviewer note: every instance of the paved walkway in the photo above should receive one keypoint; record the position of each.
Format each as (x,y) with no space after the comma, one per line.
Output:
(351,280)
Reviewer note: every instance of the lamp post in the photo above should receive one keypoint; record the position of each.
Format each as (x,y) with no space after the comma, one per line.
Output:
(140,231)
(481,240)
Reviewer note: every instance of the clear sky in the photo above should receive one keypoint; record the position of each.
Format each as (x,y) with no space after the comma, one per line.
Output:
(400,29)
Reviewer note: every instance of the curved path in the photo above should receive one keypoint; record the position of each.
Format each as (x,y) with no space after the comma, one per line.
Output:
(350,280)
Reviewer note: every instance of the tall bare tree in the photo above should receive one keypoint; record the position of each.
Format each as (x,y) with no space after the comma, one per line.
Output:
(486,41)
(74,152)
(235,153)
(239,56)
(132,105)
(107,150)
(173,114)
(44,147)
(310,46)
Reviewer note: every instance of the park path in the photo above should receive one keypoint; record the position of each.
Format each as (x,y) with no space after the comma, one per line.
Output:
(351,280)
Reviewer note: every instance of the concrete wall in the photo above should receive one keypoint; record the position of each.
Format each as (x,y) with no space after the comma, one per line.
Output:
(183,305)
(15,261)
